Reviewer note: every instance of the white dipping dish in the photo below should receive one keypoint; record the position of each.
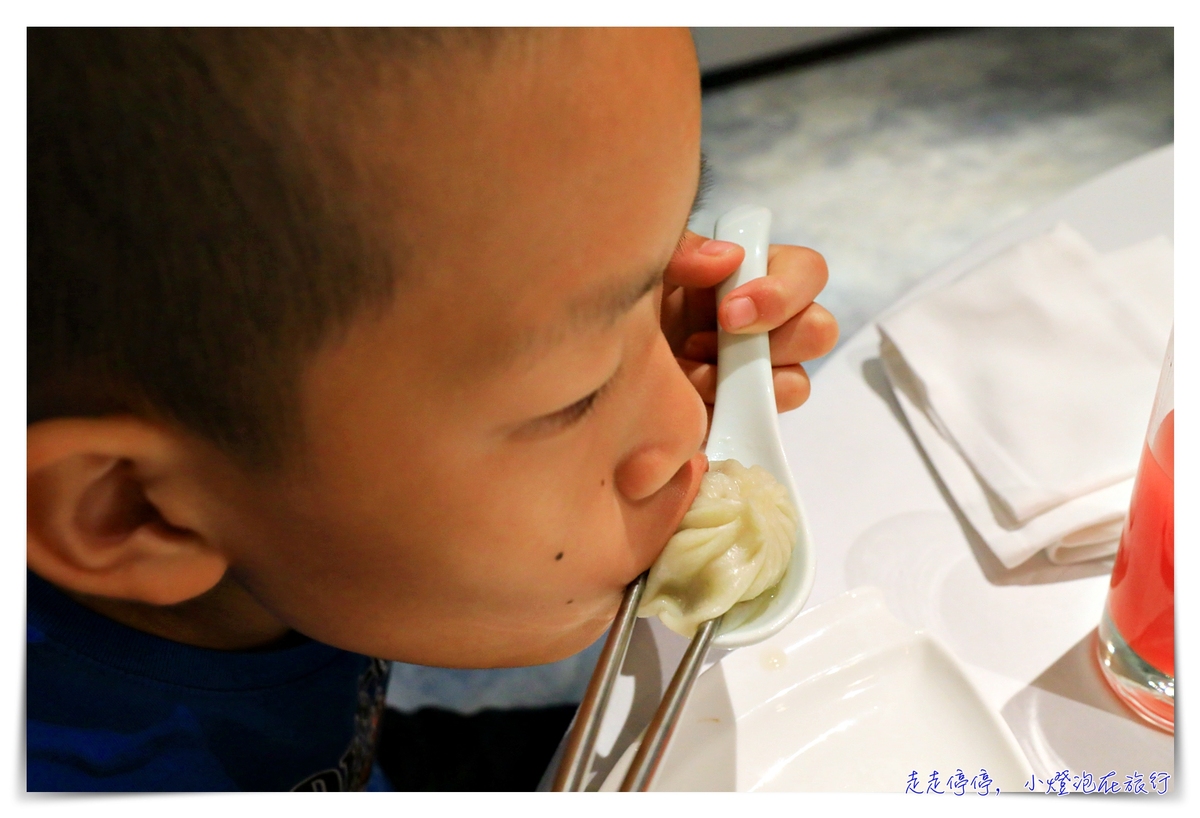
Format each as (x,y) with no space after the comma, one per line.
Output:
(845,699)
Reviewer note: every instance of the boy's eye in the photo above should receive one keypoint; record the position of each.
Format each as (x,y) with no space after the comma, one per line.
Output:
(574,412)
(563,418)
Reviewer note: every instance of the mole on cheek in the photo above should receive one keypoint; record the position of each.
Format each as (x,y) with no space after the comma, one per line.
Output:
(602,482)
(558,556)
(569,601)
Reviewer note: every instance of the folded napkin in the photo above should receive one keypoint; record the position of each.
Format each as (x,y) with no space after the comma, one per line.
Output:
(1029,383)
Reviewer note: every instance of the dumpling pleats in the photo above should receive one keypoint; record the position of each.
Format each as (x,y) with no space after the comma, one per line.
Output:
(733,544)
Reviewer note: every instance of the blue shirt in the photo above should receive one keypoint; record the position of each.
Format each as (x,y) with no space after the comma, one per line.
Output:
(111,708)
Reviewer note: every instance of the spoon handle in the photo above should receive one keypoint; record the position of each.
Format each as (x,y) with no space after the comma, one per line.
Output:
(745,387)
(749,226)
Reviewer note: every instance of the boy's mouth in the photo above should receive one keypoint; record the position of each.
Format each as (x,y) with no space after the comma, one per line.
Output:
(689,475)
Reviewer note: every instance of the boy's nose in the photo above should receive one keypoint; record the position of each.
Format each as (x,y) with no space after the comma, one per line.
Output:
(673,427)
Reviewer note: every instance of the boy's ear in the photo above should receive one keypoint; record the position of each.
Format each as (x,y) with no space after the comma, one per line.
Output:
(111,512)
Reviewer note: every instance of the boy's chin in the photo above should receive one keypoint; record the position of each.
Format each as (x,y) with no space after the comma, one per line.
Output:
(562,646)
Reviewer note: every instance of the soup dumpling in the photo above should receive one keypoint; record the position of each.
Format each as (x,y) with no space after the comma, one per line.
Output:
(733,544)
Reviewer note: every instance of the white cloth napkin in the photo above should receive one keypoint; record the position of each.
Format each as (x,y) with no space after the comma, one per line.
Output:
(1029,383)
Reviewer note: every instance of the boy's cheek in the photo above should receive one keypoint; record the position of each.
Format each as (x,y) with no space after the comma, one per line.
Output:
(424,581)
(499,565)
(466,545)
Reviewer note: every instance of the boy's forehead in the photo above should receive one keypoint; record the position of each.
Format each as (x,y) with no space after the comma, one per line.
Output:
(553,200)
(596,305)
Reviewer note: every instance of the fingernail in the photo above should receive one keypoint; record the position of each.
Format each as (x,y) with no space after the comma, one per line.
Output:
(740,312)
(713,247)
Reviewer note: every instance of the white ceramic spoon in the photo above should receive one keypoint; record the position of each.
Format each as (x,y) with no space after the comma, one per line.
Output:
(745,428)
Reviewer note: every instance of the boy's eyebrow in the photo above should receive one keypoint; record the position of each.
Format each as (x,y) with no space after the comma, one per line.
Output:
(703,185)
(610,305)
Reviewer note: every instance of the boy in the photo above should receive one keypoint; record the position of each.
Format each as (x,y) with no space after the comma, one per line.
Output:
(348,344)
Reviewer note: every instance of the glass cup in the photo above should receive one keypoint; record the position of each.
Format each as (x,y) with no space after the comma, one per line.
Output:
(1136,644)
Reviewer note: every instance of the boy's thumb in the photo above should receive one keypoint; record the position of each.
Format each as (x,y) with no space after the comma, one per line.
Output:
(702,262)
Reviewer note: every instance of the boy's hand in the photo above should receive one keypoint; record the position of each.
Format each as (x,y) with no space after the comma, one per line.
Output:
(781,301)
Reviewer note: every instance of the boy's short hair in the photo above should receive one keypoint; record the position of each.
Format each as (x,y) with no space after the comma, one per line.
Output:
(190,242)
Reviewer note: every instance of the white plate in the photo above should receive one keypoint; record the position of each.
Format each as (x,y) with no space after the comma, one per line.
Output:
(847,698)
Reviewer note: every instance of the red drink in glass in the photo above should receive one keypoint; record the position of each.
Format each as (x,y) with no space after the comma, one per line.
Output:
(1141,597)
(1137,632)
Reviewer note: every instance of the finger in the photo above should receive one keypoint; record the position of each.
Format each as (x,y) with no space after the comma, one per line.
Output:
(686,311)
(811,334)
(792,387)
(701,262)
(702,376)
(794,277)
(702,346)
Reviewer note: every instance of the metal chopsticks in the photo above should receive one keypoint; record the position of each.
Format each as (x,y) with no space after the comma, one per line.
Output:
(658,733)
(572,770)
